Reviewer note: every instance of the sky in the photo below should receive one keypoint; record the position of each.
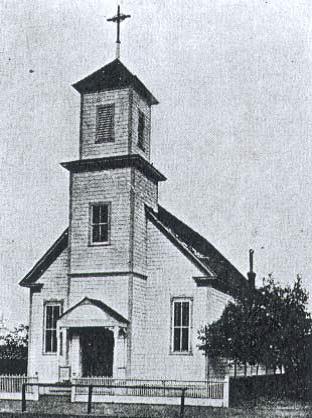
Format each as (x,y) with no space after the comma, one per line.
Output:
(232,132)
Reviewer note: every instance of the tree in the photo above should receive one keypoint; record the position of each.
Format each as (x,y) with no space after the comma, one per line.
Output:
(15,345)
(233,336)
(266,326)
(288,323)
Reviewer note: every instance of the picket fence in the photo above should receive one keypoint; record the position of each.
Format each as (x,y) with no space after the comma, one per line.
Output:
(213,393)
(138,387)
(11,386)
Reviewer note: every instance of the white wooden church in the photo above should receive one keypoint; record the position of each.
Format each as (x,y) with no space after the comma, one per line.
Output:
(124,290)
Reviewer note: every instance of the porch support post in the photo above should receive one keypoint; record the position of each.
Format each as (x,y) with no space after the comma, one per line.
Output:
(65,345)
(58,339)
(116,353)
(62,346)
(62,355)
(60,352)
(75,355)
(119,354)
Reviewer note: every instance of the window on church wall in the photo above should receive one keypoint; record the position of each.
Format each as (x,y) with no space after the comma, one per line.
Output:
(52,312)
(100,223)
(141,130)
(181,325)
(105,120)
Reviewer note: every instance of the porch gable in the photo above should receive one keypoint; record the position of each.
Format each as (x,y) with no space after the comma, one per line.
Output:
(91,313)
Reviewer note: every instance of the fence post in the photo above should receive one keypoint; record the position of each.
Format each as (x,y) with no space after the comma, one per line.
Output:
(23,397)
(182,403)
(89,399)
(226,391)
(73,393)
(36,392)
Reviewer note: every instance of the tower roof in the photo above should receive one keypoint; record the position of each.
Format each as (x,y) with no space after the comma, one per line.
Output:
(114,75)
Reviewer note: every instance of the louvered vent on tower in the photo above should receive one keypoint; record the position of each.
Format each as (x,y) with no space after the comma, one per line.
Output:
(105,116)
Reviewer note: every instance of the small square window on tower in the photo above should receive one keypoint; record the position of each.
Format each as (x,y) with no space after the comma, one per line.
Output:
(141,130)
(105,117)
(99,223)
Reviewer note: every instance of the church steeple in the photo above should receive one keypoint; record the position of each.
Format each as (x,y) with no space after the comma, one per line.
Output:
(115,110)
(113,181)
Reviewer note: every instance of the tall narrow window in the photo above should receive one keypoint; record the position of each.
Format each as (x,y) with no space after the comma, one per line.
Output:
(52,314)
(105,116)
(181,325)
(141,130)
(100,223)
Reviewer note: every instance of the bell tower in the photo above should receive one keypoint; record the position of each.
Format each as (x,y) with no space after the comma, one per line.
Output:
(115,113)
(115,109)
(113,180)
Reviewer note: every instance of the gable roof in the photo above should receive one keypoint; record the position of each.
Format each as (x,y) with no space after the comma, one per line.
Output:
(200,251)
(218,269)
(46,260)
(112,76)
(98,303)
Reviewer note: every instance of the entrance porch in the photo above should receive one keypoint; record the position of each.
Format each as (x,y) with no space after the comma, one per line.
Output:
(91,341)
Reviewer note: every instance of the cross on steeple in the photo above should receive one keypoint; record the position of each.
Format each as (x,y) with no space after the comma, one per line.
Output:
(117,19)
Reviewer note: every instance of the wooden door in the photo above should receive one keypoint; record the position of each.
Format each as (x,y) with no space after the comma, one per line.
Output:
(97,352)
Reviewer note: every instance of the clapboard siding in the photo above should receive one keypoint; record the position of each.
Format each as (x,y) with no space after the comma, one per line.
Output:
(54,282)
(111,290)
(145,194)
(127,104)
(138,327)
(216,303)
(104,186)
(170,275)
(89,148)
